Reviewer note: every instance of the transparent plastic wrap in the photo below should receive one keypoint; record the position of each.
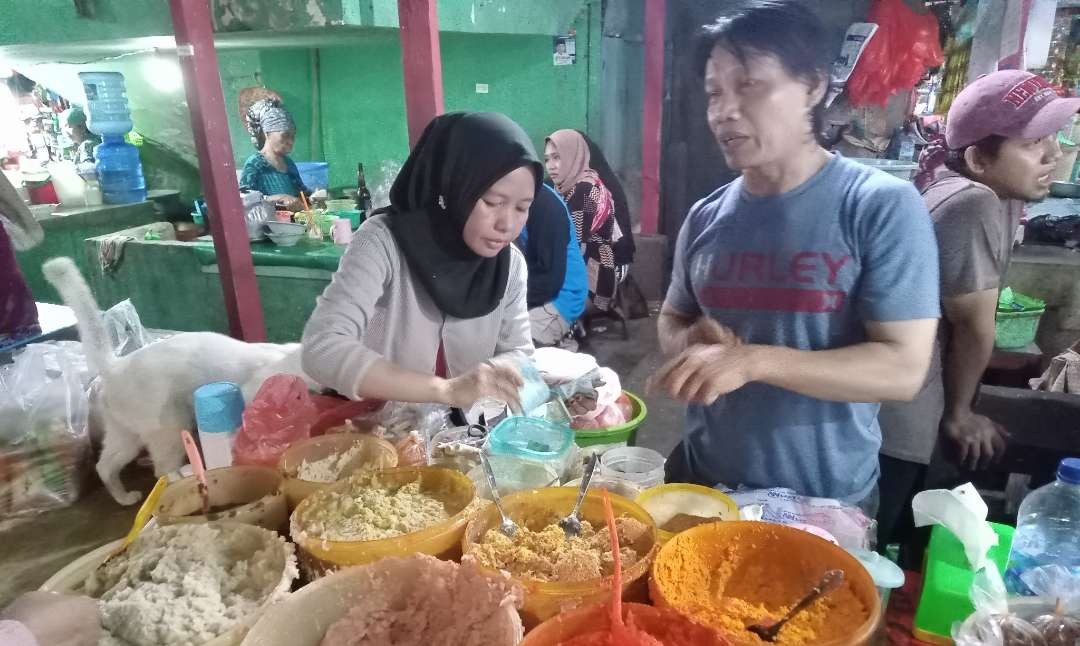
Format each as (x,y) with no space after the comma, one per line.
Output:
(125,328)
(409,427)
(851,528)
(1062,627)
(992,624)
(44,442)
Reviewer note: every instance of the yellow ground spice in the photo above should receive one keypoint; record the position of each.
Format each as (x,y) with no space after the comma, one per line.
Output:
(720,587)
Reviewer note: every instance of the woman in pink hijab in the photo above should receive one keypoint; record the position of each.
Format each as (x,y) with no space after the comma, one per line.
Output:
(566,158)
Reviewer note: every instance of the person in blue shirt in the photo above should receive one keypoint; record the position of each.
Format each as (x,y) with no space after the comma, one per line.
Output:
(270,170)
(804,292)
(558,285)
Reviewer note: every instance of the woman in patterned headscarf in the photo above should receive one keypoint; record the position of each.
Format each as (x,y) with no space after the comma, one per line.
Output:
(270,170)
(566,158)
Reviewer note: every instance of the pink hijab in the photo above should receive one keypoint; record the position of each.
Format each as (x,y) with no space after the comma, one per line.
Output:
(574,159)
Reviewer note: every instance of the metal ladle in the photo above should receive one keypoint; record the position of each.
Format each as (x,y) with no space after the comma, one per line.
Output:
(507,526)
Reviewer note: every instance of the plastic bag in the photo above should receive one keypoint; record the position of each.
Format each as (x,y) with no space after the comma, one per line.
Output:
(281,413)
(851,528)
(904,47)
(409,427)
(1062,627)
(991,624)
(44,442)
(125,328)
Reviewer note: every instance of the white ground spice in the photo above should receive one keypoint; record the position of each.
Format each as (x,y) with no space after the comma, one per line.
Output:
(184,585)
(366,511)
(327,469)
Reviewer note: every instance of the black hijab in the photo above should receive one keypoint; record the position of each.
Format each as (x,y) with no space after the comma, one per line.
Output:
(459,156)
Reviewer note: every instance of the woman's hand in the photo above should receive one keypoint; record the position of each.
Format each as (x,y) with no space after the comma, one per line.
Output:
(285,201)
(57,619)
(495,379)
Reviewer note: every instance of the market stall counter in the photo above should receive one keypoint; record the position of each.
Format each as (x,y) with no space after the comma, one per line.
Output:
(177,286)
(66,228)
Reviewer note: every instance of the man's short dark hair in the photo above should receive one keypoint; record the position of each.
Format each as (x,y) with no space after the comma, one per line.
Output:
(988,148)
(786,29)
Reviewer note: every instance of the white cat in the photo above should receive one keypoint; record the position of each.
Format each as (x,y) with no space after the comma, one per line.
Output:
(145,398)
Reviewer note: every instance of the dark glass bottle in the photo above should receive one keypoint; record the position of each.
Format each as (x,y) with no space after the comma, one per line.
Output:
(363,195)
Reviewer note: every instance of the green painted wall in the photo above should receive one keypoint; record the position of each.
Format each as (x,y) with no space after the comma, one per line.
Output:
(55,21)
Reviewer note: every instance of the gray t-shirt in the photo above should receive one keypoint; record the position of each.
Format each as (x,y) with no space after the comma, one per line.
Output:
(806,269)
(975,230)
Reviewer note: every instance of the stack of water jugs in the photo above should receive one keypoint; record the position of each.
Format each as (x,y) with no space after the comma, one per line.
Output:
(119,168)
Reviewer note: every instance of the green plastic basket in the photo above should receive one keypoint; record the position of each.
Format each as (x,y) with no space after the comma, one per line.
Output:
(622,433)
(1016,328)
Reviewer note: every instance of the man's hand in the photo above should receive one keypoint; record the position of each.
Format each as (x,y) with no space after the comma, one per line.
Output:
(706,331)
(977,441)
(701,374)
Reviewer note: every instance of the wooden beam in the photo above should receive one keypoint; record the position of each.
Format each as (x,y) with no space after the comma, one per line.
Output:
(652,115)
(209,123)
(421,64)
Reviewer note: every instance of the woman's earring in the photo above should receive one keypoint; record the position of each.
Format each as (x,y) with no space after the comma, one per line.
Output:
(442,203)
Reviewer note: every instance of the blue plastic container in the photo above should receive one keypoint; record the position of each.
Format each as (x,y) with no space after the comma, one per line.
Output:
(106,103)
(219,410)
(534,439)
(315,174)
(119,171)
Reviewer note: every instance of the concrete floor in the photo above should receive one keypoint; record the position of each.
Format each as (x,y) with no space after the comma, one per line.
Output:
(33,549)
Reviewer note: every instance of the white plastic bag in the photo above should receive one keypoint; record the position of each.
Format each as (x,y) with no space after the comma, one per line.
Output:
(44,443)
(851,528)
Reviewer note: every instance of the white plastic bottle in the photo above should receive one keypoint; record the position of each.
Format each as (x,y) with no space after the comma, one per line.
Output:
(219,408)
(1047,528)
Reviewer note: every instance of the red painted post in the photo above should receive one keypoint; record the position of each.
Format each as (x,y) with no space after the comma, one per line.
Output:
(209,123)
(421,64)
(652,113)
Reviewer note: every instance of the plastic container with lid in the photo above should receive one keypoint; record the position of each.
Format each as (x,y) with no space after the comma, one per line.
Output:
(637,464)
(106,103)
(443,540)
(617,486)
(666,501)
(245,494)
(373,453)
(534,439)
(537,509)
(219,410)
(1047,529)
(513,474)
(119,171)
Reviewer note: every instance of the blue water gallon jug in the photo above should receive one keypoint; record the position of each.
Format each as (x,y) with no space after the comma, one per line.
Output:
(106,103)
(119,171)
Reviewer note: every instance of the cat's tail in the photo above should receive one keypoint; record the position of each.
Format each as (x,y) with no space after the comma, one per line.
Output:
(65,277)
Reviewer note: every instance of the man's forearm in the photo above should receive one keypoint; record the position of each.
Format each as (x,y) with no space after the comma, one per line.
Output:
(674,332)
(969,350)
(866,372)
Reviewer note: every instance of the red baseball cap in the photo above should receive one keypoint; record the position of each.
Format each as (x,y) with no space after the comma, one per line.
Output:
(1008,103)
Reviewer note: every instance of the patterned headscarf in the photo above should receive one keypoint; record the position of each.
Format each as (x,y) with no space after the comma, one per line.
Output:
(266,116)
(574,159)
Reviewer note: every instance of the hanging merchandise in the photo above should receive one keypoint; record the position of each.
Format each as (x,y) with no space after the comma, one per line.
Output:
(905,46)
(855,41)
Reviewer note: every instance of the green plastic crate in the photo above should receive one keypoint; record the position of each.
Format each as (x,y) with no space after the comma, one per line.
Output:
(947,581)
(1018,318)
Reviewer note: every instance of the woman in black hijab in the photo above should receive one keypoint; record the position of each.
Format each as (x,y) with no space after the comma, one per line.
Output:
(430,298)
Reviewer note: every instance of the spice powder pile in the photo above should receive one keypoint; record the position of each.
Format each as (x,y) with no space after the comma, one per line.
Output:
(366,512)
(548,555)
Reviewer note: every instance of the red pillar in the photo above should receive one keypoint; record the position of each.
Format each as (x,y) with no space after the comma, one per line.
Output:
(421,64)
(209,123)
(652,115)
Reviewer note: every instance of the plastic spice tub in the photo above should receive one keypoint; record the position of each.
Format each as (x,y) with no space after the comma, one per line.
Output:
(644,467)
(374,453)
(246,494)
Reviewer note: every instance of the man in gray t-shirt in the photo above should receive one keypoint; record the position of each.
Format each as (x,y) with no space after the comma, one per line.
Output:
(1002,141)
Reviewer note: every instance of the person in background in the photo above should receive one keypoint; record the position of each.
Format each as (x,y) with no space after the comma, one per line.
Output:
(73,122)
(566,158)
(803,291)
(429,301)
(18,231)
(624,247)
(270,170)
(1000,151)
(558,285)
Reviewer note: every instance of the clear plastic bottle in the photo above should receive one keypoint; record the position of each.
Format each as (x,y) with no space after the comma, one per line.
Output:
(119,171)
(1047,528)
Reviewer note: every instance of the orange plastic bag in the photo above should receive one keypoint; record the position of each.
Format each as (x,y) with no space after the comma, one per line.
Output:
(904,47)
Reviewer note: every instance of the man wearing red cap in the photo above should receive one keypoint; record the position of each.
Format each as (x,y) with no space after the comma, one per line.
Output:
(1001,134)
